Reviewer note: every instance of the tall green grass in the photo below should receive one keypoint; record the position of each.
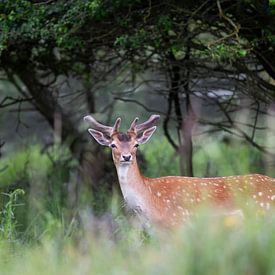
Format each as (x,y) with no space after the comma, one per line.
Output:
(223,245)
(8,222)
(52,242)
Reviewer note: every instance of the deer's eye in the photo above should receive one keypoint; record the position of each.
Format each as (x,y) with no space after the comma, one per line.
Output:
(136,145)
(113,145)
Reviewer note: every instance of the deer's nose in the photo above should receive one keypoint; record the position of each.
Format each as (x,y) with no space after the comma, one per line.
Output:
(126,157)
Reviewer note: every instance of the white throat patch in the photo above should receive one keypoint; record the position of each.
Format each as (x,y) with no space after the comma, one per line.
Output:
(131,196)
(122,174)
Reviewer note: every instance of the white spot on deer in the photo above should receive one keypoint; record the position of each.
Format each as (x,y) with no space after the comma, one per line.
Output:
(262,204)
(254,196)
(260,194)
(158,194)
(179,207)
(168,201)
(237,212)
(273,197)
(174,214)
(198,200)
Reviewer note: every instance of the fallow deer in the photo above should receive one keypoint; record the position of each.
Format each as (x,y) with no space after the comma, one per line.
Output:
(171,200)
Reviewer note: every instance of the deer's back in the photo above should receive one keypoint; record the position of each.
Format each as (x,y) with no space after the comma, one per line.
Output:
(174,198)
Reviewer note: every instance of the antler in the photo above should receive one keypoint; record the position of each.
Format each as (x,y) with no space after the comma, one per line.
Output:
(138,128)
(107,130)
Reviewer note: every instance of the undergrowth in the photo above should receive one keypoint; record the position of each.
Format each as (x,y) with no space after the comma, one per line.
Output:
(223,245)
(55,242)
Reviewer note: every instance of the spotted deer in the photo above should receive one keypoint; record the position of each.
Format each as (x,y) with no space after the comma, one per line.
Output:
(170,200)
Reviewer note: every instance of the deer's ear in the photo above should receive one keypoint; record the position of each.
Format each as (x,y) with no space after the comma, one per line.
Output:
(99,137)
(146,135)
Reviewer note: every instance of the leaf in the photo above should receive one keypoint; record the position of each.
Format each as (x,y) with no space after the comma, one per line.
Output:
(243,52)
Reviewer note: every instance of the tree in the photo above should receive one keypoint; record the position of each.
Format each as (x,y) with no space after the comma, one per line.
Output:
(197,46)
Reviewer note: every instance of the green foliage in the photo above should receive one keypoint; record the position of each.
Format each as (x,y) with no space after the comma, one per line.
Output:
(227,52)
(57,23)
(215,159)
(222,159)
(8,222)
(161,157)
(47,226)
(134,41)
(24,20)
(32,163)
(165,23)
(20,166)
(42,175)
(271,35)
(228,246)
(56,243)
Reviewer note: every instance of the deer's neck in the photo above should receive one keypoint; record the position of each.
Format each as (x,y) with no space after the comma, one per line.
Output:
(132,185)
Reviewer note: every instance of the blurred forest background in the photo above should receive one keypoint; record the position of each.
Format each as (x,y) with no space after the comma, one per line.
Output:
(207,67)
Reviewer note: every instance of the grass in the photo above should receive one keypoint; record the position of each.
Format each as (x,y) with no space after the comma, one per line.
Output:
(206,246)
(53,243)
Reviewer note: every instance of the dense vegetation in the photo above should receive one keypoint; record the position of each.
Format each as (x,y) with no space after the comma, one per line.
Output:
(207,67)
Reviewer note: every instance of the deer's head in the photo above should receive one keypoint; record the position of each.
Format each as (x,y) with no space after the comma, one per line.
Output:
(123,145)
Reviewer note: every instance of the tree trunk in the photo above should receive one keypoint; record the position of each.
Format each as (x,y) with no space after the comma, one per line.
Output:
(92,169)
(184,126)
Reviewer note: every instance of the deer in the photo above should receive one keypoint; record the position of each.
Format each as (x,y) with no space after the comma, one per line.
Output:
(171,200)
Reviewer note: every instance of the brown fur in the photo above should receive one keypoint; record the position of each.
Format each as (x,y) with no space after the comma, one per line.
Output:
(171,200)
